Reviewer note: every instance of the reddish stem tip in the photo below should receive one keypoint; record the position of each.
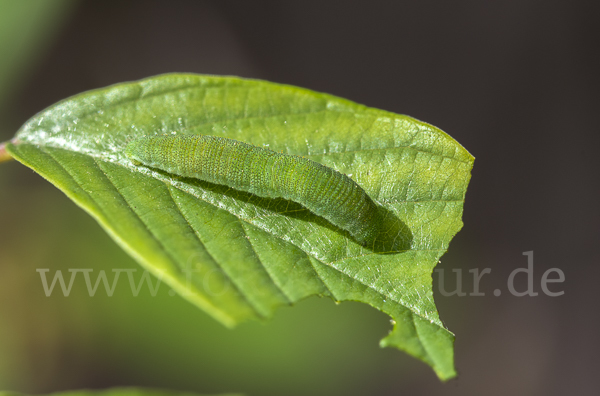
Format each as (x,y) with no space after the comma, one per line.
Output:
(4,156)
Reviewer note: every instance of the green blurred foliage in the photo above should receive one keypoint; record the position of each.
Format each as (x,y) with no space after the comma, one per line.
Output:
(27,29)
(126,391)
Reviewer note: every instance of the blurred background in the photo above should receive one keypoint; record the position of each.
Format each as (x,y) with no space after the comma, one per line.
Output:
(516,82)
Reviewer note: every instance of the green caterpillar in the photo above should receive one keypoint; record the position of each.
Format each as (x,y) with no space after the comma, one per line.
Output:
(265,173)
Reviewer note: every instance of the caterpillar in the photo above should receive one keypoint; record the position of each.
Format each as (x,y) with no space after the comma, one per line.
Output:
(265,173)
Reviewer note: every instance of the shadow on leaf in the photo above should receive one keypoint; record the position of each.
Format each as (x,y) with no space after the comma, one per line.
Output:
(395,236)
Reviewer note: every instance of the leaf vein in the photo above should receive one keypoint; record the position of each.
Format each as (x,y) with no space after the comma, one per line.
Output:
(195,233)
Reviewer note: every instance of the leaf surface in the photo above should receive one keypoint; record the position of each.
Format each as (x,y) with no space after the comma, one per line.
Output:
(238,256)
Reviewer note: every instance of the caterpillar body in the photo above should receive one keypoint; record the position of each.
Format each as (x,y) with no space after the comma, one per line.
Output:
(265,173)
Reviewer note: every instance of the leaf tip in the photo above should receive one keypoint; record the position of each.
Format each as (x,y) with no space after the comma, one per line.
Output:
(437,352)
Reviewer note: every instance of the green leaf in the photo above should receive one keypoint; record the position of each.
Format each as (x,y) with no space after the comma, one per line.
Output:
(241,257)
(120,392)
(26,32)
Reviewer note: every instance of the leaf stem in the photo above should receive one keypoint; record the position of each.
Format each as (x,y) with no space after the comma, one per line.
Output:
(4,156)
